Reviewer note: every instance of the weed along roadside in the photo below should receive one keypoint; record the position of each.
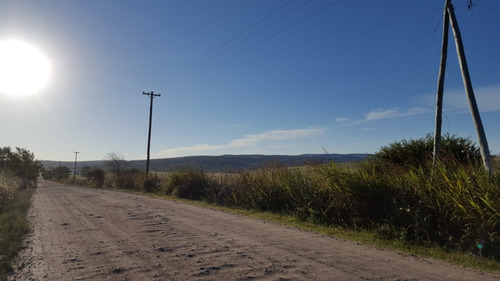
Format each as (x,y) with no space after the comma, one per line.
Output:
(397,199)
(17,181)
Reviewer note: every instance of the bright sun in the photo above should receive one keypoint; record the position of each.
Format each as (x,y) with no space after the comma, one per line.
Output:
(24,70)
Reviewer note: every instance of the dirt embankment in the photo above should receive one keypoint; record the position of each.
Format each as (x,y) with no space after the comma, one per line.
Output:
(90,234)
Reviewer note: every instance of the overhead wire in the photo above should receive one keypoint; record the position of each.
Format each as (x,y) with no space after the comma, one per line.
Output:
(242,32)
(434,34)
(253,34)
(276,33)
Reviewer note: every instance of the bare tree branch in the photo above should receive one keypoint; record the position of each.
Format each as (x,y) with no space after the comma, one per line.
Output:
(116,162)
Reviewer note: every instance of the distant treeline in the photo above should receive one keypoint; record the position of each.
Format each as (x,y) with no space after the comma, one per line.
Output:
(221,163)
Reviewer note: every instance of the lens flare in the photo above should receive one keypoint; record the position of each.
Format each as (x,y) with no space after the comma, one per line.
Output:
(24,69)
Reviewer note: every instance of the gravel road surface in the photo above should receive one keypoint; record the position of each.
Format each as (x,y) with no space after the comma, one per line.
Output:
(95,234)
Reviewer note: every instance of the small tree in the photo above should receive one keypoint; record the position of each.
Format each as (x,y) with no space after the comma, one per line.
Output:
(96,176)
(116,162)
(21,163)
(84,170)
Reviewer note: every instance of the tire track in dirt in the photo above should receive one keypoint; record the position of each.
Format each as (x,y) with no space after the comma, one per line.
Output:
(92,234)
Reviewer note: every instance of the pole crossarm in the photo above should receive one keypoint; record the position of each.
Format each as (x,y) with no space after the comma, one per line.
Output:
(151,94)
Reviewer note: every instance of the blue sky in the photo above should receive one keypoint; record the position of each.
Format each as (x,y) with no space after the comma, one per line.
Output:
(245,77)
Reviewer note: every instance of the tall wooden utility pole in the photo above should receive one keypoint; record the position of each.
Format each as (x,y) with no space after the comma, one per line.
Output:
(152,96)
(449,17)
(76,157)
(442,72)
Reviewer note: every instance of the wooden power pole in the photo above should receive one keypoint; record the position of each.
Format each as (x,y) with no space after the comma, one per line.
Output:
(442,72)
(152,96)
(76,157)
(449,17)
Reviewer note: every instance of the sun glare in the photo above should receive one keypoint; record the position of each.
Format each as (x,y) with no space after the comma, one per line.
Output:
(24,70)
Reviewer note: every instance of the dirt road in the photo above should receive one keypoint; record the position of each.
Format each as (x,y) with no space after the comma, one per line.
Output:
(92,234)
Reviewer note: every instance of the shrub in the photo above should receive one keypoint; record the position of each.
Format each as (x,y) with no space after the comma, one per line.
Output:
(418,153)
(58,173)
(189,184)
(152,183)
(127,179)
(18,172)
(96,176)
(21,163)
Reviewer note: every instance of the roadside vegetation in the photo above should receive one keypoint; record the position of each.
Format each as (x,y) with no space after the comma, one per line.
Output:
(18,173)
(397,198)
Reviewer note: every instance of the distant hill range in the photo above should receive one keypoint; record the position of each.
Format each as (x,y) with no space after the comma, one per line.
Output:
(221,163)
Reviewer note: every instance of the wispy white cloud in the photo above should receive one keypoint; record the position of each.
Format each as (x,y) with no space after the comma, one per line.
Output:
(187,150)
(454,100)
(341,119)
(382,114)
(487,98)
(274,135)
(248,141)
(379,114)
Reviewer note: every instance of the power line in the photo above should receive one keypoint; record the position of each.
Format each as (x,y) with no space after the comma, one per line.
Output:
(253,34)
(242,32)
(434,35)
(276,34)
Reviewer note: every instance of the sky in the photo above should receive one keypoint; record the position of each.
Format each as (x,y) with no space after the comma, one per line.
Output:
(245,77)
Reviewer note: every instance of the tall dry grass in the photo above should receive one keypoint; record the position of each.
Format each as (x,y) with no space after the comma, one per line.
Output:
(456,208)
